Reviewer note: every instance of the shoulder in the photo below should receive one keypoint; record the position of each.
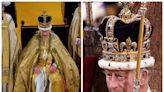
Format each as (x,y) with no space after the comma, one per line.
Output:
(33,43)
(53,35)
(77,10)
(35,38)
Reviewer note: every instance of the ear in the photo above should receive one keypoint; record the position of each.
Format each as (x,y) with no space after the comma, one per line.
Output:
(144,77)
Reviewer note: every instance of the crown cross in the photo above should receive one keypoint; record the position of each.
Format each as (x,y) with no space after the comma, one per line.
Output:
(44,16)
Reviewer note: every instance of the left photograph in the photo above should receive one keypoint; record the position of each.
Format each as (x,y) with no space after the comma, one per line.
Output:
(41,46)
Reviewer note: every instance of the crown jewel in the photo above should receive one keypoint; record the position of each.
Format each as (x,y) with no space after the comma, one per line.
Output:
(121,36)
(44,20)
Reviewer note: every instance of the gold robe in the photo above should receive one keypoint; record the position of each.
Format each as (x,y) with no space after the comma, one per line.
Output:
(53,80)
(74,32)
(65,65)
(10,53)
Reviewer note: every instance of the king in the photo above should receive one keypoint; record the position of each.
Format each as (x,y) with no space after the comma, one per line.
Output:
(126,51)
(46,65)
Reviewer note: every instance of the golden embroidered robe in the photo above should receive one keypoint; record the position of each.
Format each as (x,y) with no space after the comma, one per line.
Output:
(10,53)
(66,67)
(74,32)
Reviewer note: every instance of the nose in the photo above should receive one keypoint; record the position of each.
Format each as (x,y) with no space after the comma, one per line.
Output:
(113,82)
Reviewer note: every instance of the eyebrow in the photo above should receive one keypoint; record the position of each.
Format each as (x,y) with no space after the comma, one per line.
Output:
(116,72)
(120,73)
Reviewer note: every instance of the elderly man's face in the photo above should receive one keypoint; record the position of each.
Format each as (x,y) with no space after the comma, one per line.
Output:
(120,81)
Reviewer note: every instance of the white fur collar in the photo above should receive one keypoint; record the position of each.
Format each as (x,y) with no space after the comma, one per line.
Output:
(45,29)
(148,89)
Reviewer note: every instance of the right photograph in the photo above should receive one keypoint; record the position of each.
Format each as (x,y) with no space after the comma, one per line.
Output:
(122,46)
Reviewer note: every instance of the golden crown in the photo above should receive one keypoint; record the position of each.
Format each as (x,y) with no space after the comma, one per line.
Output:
(119,44)
(44,20)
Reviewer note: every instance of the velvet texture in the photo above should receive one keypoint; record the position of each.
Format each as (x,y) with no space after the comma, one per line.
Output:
(122,30)
(90,68)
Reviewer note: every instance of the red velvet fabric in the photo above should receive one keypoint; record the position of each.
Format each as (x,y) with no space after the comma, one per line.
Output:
(90,68)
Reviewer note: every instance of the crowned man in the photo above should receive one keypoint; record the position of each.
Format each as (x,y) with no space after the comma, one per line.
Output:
(126,55)
(10,50)
(46,65)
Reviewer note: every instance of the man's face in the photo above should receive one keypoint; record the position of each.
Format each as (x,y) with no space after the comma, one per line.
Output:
(119,81)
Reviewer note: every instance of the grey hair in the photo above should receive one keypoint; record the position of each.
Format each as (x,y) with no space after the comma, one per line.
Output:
(142,69)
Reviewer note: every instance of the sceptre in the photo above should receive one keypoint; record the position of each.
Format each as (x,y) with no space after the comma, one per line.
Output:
(142,12)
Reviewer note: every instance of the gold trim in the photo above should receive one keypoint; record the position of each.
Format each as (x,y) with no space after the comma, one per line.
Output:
(110,43)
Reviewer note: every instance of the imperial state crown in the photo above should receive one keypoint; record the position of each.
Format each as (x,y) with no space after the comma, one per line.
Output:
(120,40)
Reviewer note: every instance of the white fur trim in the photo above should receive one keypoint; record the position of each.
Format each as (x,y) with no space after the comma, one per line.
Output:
(111,65)
(45,29)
